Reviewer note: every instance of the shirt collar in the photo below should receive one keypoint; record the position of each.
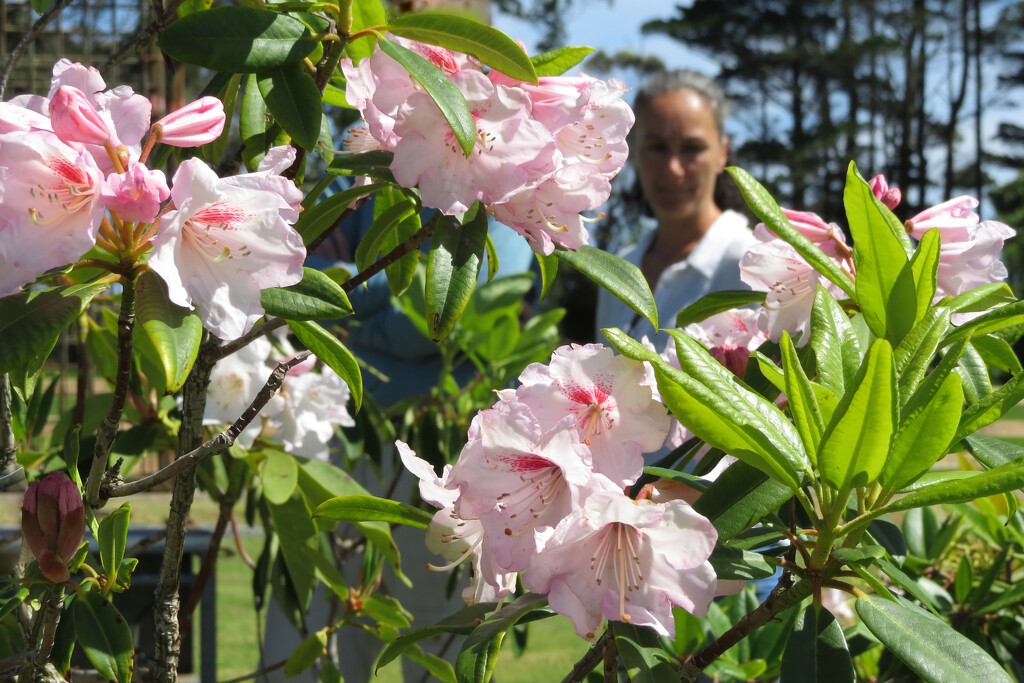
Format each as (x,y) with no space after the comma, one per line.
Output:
(710,250)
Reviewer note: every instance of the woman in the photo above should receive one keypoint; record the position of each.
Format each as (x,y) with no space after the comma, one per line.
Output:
(679,149)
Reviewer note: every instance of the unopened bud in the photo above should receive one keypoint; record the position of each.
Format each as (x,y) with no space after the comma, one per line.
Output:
(193,125)
(53,523)
(75,119)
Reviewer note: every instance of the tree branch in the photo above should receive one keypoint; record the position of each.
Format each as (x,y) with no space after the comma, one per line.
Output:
(8,446)
(414,242)
(589,660)
(30,35)
(143,37)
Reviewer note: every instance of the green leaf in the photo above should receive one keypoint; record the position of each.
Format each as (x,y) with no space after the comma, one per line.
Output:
(924,434)
(991,407)
(104,636)
(462,623)
(31,322)
(372,509)
(740,497)
(997,353)
(716,302)
(364,15)
(556,62)
(237,40)
(856,441)
(924,266)
(462,34)
(992,452)
(255,125)
(294,101)
(327,348)
(316,220)
(909,584)
(916,351)
(453,266)
(435,666)
(737,564)
(374,164)
(816,651)
(997,319)
(306,653)
(885,297)
(316,297)
(40,6)
(983,298)
(618,276)
(964,489)
(173,332)
(446,95)
(643,654)
(10,597)
(974,373)
(298,537)
(863,554)
(395,219)
(479,654)
(926,644)
(113,534)
(765,208)
(963,580)
(803,405)
(280,473)
(492,258)
(835,345)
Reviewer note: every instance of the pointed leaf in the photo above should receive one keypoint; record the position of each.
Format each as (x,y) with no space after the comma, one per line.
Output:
(739,498)
(916,351)
(255,125)
(306,653)
(991,407)
(963,489)
(113,534)
(924,266)
(174,332)
(479,653)
(856,441)
(997,353)
(556,62)
(643,654)
(373,164)
(104,636)
(548,266)
(456,253)
(738,564)
(316,297)
(803,405)
(716,302)
(294,101)
(315,221)
(835,345)
(327,348)
(618,276)
(816,651)
(992,452)
(237,39)
(462,34)
(372,509)
(927,644)
(462,622)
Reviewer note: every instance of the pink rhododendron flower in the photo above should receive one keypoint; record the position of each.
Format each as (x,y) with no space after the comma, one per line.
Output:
(136,194)
(74,119)
(970,263)
(520,480)
(195,124)
(457,539)
(890,196)
(224,242)
(730,336)
(808,224)
(616,416)
(20,119)
(954,218)
(50,196)
(599,136)
(627,560)
(511,148)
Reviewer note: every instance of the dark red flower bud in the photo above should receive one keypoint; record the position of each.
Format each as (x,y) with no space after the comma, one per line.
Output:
(53,523)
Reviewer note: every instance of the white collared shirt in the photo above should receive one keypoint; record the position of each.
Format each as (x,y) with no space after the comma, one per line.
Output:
(713,266)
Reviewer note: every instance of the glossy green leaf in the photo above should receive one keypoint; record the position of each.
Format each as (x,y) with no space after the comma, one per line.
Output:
(237,40)
(373,164)
(765,208)
(991,407)
(462,623)
(113,534)
(31,322)
(907,583)
(924,435)
(453,265)
(448,98)
(104,636)
(365,14)
(862,554)
(10,597)
(643,654)
(298,537)
(914,354)
(479,654)
(856,441)
(493,263)
(1011,315)
(964,489)
(884,290)
(462,34)
(316,297)
(224,87)
(316,220)
(556,62)
(974,373)
(306,653)
(997,353)
(991,451)
(620,277)
(803,405)
(739,498)
(255,125)
(548,266)
(437,667)
(372,509)
(927,644)
(983,298)
(716,302)
(327,348)
(816,651)
(924,266)
(294,101)
(835,345)
(280,475)
(738,564)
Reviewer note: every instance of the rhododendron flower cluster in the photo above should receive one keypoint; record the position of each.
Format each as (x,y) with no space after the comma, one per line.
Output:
(74,177)
(544,153)
(539,490)
(302,416)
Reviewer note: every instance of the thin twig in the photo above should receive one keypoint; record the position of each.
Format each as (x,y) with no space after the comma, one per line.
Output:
(414,242)
(143,37)
(238,543)
(589,660)
(19,49)
(257,674)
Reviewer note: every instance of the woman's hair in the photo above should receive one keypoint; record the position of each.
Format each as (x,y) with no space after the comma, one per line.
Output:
(684,79)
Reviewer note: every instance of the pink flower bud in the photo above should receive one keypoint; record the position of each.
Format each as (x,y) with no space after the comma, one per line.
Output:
(136,195)
(53,523)
(890,196)
(75,119)
(194,124)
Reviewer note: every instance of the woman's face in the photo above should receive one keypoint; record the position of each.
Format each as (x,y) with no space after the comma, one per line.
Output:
(679,154)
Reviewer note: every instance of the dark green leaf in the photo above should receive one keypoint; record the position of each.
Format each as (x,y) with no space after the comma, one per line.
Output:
(736,564)
(174,332)
(643,654)
(765,208)
(446,95)
(255,125)
(548,266)
(316,297)
(618,276)
(816,651)
(479,654)
(716,302)
(864,554)
(963,580)
(315,221)
(462,623)
(556,62)
(372,509)
(10,597)
(462,34)
(113,533)
(104,636)
(298,536)
(456,253)
(306,653)
(926,644)
(294,101)
(237,40)
(327,348)
(739,498)
(374,164)
(856,441)
(280,473)
(909,584)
